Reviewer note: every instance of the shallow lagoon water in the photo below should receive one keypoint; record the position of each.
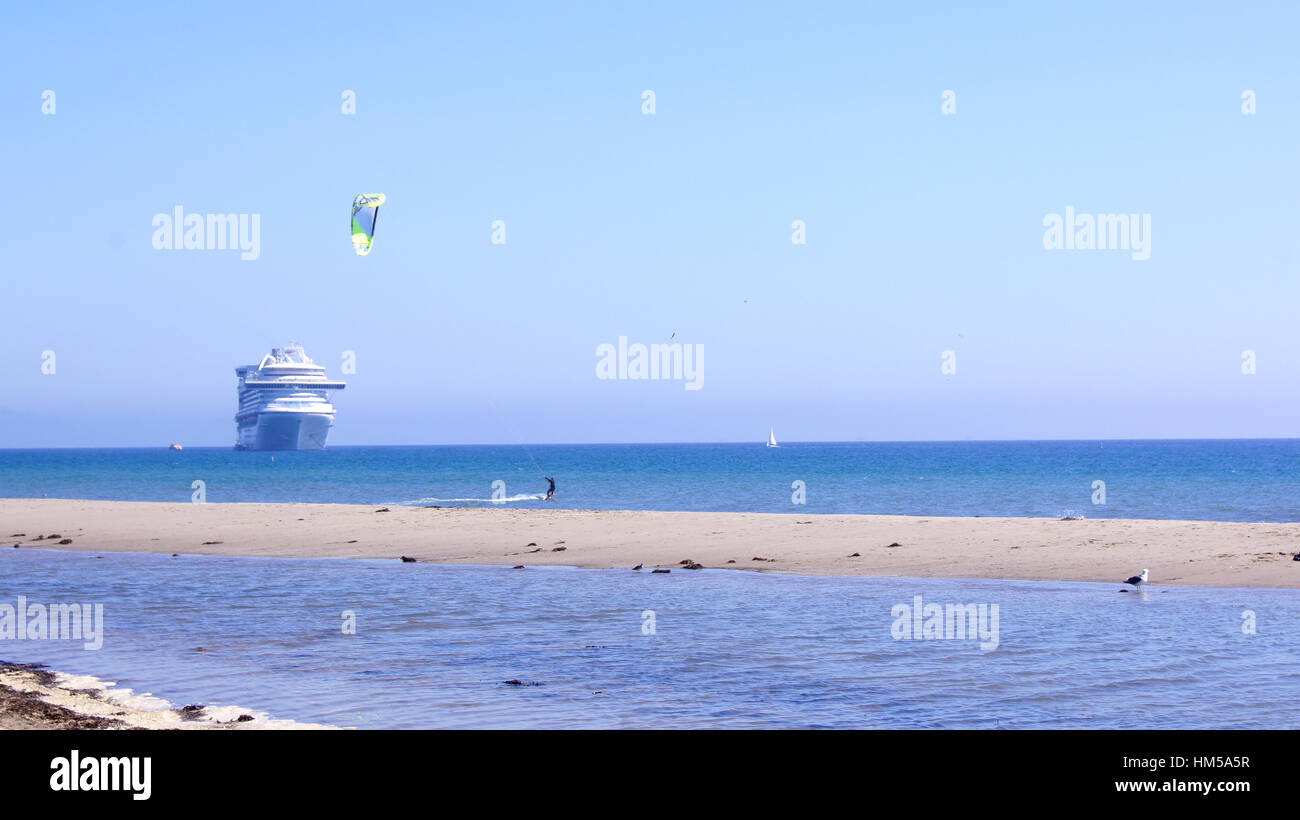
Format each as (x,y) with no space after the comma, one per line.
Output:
(730,649)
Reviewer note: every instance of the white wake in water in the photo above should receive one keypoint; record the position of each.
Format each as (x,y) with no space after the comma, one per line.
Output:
(505,500)
(90,695)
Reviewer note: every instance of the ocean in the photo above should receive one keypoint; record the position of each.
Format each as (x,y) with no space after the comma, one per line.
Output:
(435,646)
(1218,480)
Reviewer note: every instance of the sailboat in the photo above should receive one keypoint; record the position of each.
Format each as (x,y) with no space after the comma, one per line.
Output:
(771,437)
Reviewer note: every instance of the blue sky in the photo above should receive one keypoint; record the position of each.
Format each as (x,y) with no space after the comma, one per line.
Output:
(924,230)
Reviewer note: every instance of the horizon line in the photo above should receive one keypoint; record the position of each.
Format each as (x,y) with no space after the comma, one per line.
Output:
(757,443)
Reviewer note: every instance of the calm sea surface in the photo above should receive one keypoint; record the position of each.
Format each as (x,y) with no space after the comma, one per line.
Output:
(1234,480)
(435,644)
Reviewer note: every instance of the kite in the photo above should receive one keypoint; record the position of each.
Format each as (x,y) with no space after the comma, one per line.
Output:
(365,211)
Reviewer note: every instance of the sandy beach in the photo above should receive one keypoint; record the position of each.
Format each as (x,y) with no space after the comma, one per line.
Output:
(1202,553)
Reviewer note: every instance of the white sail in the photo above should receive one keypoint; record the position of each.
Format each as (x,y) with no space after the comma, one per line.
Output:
(771,437)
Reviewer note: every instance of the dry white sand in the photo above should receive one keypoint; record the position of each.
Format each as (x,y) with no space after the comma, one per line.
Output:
(1206,553)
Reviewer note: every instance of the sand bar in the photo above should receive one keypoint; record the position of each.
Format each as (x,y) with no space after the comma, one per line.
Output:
(1202,553)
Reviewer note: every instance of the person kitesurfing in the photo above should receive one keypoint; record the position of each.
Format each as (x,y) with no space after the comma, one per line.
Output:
(550,491)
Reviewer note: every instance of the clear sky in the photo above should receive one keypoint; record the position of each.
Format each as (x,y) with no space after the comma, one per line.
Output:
(924,229)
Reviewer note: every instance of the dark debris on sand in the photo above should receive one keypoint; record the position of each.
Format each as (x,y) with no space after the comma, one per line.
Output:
(192,711)
(28,709)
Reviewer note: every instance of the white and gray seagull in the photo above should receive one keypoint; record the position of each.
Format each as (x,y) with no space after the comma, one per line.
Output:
(1138,580)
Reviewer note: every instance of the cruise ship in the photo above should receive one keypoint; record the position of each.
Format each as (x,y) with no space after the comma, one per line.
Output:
(284,402)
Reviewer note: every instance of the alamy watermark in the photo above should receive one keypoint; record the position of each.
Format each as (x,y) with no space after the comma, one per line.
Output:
(920,621)
(666,362)
(99,774)
(1103,232)
(53,622)
(1099,492)
(209,232)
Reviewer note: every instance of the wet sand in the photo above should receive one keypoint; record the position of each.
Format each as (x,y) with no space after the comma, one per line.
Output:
(33,697)
(1202,553)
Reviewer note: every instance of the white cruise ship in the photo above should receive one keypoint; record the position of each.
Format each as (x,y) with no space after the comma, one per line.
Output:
(284,402)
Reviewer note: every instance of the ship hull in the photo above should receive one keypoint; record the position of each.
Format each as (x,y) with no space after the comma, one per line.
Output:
(285,431)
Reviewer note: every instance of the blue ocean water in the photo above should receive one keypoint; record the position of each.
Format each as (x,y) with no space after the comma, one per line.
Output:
(434,646)
(1223,480)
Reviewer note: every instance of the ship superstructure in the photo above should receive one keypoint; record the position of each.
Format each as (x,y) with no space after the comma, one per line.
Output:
(284,402)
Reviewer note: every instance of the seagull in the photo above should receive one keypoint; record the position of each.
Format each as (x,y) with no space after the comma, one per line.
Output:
(1138,580)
